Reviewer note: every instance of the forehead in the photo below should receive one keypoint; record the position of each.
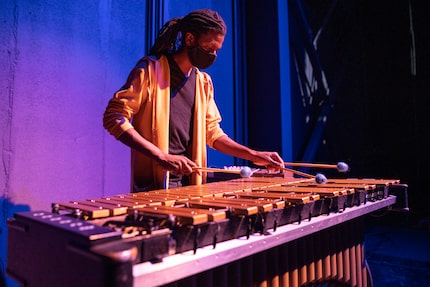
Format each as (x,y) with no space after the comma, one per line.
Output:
(211,39)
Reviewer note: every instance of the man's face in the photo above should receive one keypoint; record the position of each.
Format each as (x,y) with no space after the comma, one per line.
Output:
(202,51)
(211,42)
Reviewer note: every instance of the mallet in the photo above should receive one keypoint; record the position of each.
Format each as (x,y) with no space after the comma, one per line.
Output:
(243,172)
(340,166)
(319,177)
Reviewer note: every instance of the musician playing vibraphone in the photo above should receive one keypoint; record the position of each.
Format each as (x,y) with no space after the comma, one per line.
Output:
(253,230)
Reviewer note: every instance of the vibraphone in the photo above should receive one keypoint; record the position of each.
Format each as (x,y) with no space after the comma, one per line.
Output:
(257,231)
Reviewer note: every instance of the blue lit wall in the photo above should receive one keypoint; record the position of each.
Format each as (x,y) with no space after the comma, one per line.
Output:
(61,61)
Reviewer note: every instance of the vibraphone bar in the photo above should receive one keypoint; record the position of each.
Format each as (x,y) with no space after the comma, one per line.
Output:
(287,231)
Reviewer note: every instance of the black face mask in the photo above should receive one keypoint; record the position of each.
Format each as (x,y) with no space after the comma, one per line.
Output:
(201,58)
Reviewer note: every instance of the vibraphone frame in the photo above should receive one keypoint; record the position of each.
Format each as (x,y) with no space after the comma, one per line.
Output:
(203,267)
(326,248)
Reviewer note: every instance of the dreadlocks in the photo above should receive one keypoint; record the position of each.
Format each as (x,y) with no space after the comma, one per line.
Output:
(196,22)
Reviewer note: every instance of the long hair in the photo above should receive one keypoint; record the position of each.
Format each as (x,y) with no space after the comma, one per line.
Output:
(170,36)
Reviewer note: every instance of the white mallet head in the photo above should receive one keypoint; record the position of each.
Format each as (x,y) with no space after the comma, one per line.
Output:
(245,172)
(320,178)
(342,167)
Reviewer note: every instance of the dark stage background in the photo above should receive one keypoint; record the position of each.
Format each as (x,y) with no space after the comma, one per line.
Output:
(373,110)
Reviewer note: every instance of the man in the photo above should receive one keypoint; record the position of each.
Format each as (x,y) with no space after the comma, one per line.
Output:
(166,111)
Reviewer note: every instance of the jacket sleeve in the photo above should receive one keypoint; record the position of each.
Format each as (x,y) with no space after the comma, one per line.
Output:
(126,102)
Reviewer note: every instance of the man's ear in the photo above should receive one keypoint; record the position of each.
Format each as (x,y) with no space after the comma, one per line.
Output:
(190,39)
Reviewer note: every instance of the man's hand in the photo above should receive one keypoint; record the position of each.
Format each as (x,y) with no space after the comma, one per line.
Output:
(271,160)
(177,164)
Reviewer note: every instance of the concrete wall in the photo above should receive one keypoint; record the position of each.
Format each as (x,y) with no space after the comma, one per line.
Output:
(61,61)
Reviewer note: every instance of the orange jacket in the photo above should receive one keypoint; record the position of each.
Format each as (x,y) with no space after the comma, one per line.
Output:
(143,103)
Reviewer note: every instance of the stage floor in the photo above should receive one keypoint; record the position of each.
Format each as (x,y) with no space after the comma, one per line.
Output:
(398,250)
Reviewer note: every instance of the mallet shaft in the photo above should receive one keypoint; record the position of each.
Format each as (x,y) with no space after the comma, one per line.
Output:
(314,165)
(213,169)
(298,172)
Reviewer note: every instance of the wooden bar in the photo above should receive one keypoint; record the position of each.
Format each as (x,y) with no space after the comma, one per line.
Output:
(190,216)
(235,208)
(262,205)
(92,211)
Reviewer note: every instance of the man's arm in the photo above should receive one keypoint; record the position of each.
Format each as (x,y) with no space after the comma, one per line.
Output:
(226,145)
(174,163)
